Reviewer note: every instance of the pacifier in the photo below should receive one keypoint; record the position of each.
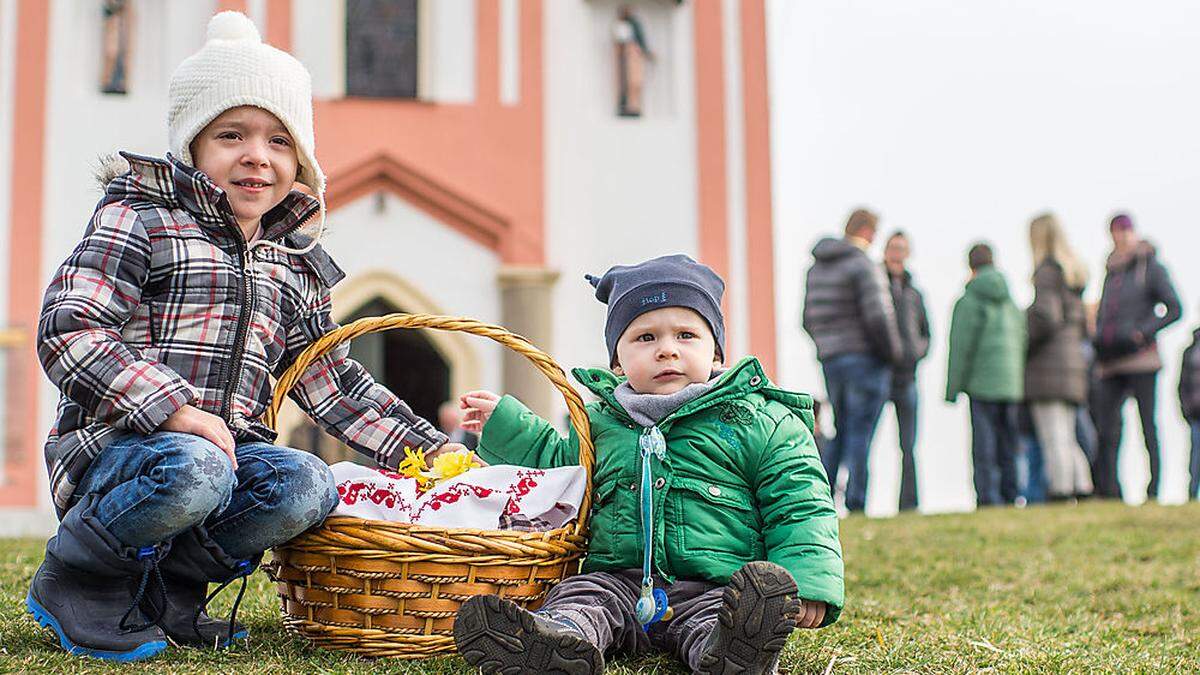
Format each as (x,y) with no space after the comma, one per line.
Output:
(652,607)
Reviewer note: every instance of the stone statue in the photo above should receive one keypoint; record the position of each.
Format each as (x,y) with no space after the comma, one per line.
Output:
(632,55)
(117,26)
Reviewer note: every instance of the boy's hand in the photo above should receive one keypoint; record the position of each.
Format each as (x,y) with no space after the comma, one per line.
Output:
(192,420)
(811,615)
(479,406)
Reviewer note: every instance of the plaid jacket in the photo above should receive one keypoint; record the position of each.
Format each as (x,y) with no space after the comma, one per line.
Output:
(163,304)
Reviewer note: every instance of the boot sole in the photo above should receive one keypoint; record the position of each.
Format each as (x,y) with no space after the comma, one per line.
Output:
(497,636)
(756,617)
(47,620)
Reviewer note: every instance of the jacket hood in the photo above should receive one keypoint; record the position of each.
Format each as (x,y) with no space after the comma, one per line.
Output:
(174,185)
(832,249)
(1143,252)
(989,285)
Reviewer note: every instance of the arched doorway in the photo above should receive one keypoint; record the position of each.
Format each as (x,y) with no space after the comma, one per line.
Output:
(422,367)
(404,361)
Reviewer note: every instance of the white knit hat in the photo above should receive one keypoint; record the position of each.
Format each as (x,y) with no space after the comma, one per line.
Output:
(235,68)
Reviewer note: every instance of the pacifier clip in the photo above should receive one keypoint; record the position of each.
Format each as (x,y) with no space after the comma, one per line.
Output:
(652,605)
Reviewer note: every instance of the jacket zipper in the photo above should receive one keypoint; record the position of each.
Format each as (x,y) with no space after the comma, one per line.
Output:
(245,313)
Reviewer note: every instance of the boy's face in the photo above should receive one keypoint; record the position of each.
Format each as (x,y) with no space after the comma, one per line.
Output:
(665,350)
(250,155)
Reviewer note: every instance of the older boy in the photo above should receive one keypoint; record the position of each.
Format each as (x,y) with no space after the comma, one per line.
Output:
(192,286)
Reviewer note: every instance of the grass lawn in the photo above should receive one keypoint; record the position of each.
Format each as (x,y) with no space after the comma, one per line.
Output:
(1096,587)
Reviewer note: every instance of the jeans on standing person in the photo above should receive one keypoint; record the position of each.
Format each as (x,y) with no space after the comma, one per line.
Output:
(993,447)
(904,400)
(858,386)
(1031,468)
(153,487)
(1194,483)
(1085,433)
(1110,400)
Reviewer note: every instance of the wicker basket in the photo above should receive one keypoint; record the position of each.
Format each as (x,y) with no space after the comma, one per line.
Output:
(392,589)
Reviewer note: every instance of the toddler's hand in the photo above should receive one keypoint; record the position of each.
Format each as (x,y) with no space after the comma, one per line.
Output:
(479,406)
(194,421)
(811,615)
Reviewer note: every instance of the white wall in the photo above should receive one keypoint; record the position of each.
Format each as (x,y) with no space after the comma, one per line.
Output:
(618,191)
(447,48)
(961,123)
(319,42)
(363,237)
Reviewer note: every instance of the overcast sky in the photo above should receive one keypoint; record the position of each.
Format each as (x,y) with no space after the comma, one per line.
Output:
(960,121)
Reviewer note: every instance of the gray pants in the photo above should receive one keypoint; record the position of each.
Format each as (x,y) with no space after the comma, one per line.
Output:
(602,605)
(1067,470)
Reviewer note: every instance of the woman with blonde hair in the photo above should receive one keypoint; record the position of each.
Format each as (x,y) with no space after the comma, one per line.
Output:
(1055,367)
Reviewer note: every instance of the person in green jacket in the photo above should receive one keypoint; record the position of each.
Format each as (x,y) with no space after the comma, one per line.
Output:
(987,363)
(713,533)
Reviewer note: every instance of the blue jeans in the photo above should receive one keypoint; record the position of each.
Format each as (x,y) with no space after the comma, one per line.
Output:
(858,386)
(1085,433)
(904,400)
(155,486)
(994,438)
(1194,483)
(1031,469)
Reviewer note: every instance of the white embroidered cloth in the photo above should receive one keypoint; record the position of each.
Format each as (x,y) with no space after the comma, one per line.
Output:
(487,498)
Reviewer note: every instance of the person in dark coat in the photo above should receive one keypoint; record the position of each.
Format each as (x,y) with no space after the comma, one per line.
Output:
(1137,288)
(913,324)
(1189,401)
(850,317)
(1055,367)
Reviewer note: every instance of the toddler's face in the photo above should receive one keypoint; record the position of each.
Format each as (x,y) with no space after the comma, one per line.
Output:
(250,155)
(665,350)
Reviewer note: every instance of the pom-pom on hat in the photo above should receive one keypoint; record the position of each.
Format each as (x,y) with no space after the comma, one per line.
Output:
(235,68)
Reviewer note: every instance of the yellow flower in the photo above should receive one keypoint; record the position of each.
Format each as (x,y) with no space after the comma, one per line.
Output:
(413,465)
(451,464)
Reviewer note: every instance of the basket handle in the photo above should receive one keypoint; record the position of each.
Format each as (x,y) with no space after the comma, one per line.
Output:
(375,324)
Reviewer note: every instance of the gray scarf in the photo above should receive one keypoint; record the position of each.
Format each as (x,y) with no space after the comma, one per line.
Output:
(649,409)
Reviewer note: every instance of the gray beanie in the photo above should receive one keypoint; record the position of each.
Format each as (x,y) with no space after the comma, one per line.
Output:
(668,281)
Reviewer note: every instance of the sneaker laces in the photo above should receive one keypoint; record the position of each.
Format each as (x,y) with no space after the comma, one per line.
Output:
(244,570)
(148,556)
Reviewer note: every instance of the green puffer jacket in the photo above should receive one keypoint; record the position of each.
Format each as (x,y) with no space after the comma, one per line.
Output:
(741,481)
(987,342)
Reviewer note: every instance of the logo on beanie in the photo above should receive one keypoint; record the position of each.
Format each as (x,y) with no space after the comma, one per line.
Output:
(656,299)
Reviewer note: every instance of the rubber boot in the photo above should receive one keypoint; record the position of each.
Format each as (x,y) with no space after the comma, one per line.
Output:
(89,588)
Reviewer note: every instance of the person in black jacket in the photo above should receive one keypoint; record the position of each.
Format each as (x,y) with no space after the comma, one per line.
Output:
(913,324)
(848,312)
(1189,401)
(1137,288)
